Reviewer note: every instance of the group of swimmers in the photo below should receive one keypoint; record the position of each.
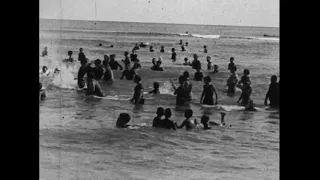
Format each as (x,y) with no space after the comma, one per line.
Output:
(103,70)
(124,119)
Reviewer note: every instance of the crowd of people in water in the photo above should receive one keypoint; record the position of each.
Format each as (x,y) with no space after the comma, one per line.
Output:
(90,73)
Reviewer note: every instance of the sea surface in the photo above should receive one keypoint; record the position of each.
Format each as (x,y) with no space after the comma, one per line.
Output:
(77,135)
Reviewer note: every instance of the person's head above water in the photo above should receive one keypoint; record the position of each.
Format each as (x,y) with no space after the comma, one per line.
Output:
(215,67)
(231,59)
(69,53)
(97,62)
(186,74)
(160,111)
(44,68)
(112,57)
(274,79)
(167,113)
(81,49)
(246,72)
(137,79)
(188,113)
(173,49)
(84,62)
(195,56)
(185,59)
(207,79)
(156,85)
(126,53)
(123,120)
(205,46)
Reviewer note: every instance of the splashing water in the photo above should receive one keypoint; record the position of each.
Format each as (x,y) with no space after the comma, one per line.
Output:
(166,88)
(66,77)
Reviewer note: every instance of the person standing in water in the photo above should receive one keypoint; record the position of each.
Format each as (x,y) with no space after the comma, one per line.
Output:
(157,121)
(273,93)
(81,56)
(167,123)
(209,65)
(113,63)
(205,49)
(162,49)
(174,55)
(42,93)
(187,86)
(99,69)
(187,122)
(232,82)
(196,64)
(198,76)
(231,65)
(179,92)
(93,87)
(81,73)
(108,75)
(207,93)
(126,60)
(105,61)
(138,91)
(245,85)
(45,52)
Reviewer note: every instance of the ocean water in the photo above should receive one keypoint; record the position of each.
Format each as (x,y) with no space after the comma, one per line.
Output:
(77,135)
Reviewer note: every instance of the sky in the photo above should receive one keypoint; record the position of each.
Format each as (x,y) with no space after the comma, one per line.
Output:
(212,12)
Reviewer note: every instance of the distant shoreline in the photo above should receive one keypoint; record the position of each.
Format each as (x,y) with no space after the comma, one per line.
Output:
(158,23)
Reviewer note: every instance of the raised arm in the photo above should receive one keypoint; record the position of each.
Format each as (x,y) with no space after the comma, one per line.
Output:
(173,86)
(215,92)
(201,98)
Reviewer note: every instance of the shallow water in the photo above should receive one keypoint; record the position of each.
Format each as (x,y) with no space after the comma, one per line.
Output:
(78,138)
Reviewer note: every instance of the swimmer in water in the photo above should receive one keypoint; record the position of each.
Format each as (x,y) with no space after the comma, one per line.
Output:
(151,49)
(157,66)
(196,64)
(207,93)
(133,56)
(126,60)
(273,93)
(162,49)
(182,48)
(45,52)
(155,90)
(209,65)
(129,74)
(99,69)
(108,75)
(232,82)
(186,43)
(70,59)
(157,121)
(93,86)
(187,122)
(205,49)
(174,55)
(167,123)
(180,42)
(215,69)
(138,91)
(44,71)
(81,56)
(105,61)
(123,120)
(198,76)
(245,85)
(113,63)
(42,93)
(231,65)
(81,73)
(186,63)
(187,86)
(180,92)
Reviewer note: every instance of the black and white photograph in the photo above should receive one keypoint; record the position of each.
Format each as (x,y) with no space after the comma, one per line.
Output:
(159,90)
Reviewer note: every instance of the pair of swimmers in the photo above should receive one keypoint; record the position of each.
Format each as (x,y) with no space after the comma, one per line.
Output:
(157,64)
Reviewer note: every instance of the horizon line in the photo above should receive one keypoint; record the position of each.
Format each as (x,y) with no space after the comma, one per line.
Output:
(160,23)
